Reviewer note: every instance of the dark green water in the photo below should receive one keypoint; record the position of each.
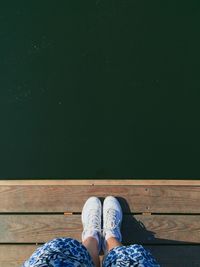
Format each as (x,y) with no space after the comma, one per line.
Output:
(99,89)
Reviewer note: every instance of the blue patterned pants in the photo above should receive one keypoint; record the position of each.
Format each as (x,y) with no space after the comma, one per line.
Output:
(62,252)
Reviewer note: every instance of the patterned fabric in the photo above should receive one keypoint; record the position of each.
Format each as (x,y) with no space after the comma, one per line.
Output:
(62,252)
(130,256)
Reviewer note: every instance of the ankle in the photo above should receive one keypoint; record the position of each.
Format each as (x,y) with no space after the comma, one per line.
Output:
(91,241)
(91,234)
(114,234)
(111,243)
(109,235)
(91,245)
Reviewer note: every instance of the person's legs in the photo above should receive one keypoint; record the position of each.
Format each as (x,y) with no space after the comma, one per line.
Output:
(117,254)
(112,219)
(92,246)
(91,235)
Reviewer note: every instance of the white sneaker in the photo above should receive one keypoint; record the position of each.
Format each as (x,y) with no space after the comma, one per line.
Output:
(112,219)
(91,219)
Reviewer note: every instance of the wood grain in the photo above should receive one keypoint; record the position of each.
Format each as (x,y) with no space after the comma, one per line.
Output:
(167,256)
(162,229)
(135,199)
(15,255)
(133,181)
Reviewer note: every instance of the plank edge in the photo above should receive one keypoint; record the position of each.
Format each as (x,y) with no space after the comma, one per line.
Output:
(94,182)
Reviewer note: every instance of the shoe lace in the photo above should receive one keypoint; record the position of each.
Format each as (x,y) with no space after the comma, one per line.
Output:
(112,221)
(93,220)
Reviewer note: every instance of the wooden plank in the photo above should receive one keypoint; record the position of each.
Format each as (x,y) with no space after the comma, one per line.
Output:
(133,181)
(165,229)
(15,255)
(161,229)
(135,199)
(178,256)
(167,256)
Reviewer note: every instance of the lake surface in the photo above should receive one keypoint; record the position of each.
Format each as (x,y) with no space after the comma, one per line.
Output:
(99,89)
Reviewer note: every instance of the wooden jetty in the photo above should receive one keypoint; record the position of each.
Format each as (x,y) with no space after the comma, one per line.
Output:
(162,215)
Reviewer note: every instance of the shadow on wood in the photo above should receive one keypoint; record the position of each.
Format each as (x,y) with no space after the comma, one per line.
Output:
(166,251)
(134,231)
